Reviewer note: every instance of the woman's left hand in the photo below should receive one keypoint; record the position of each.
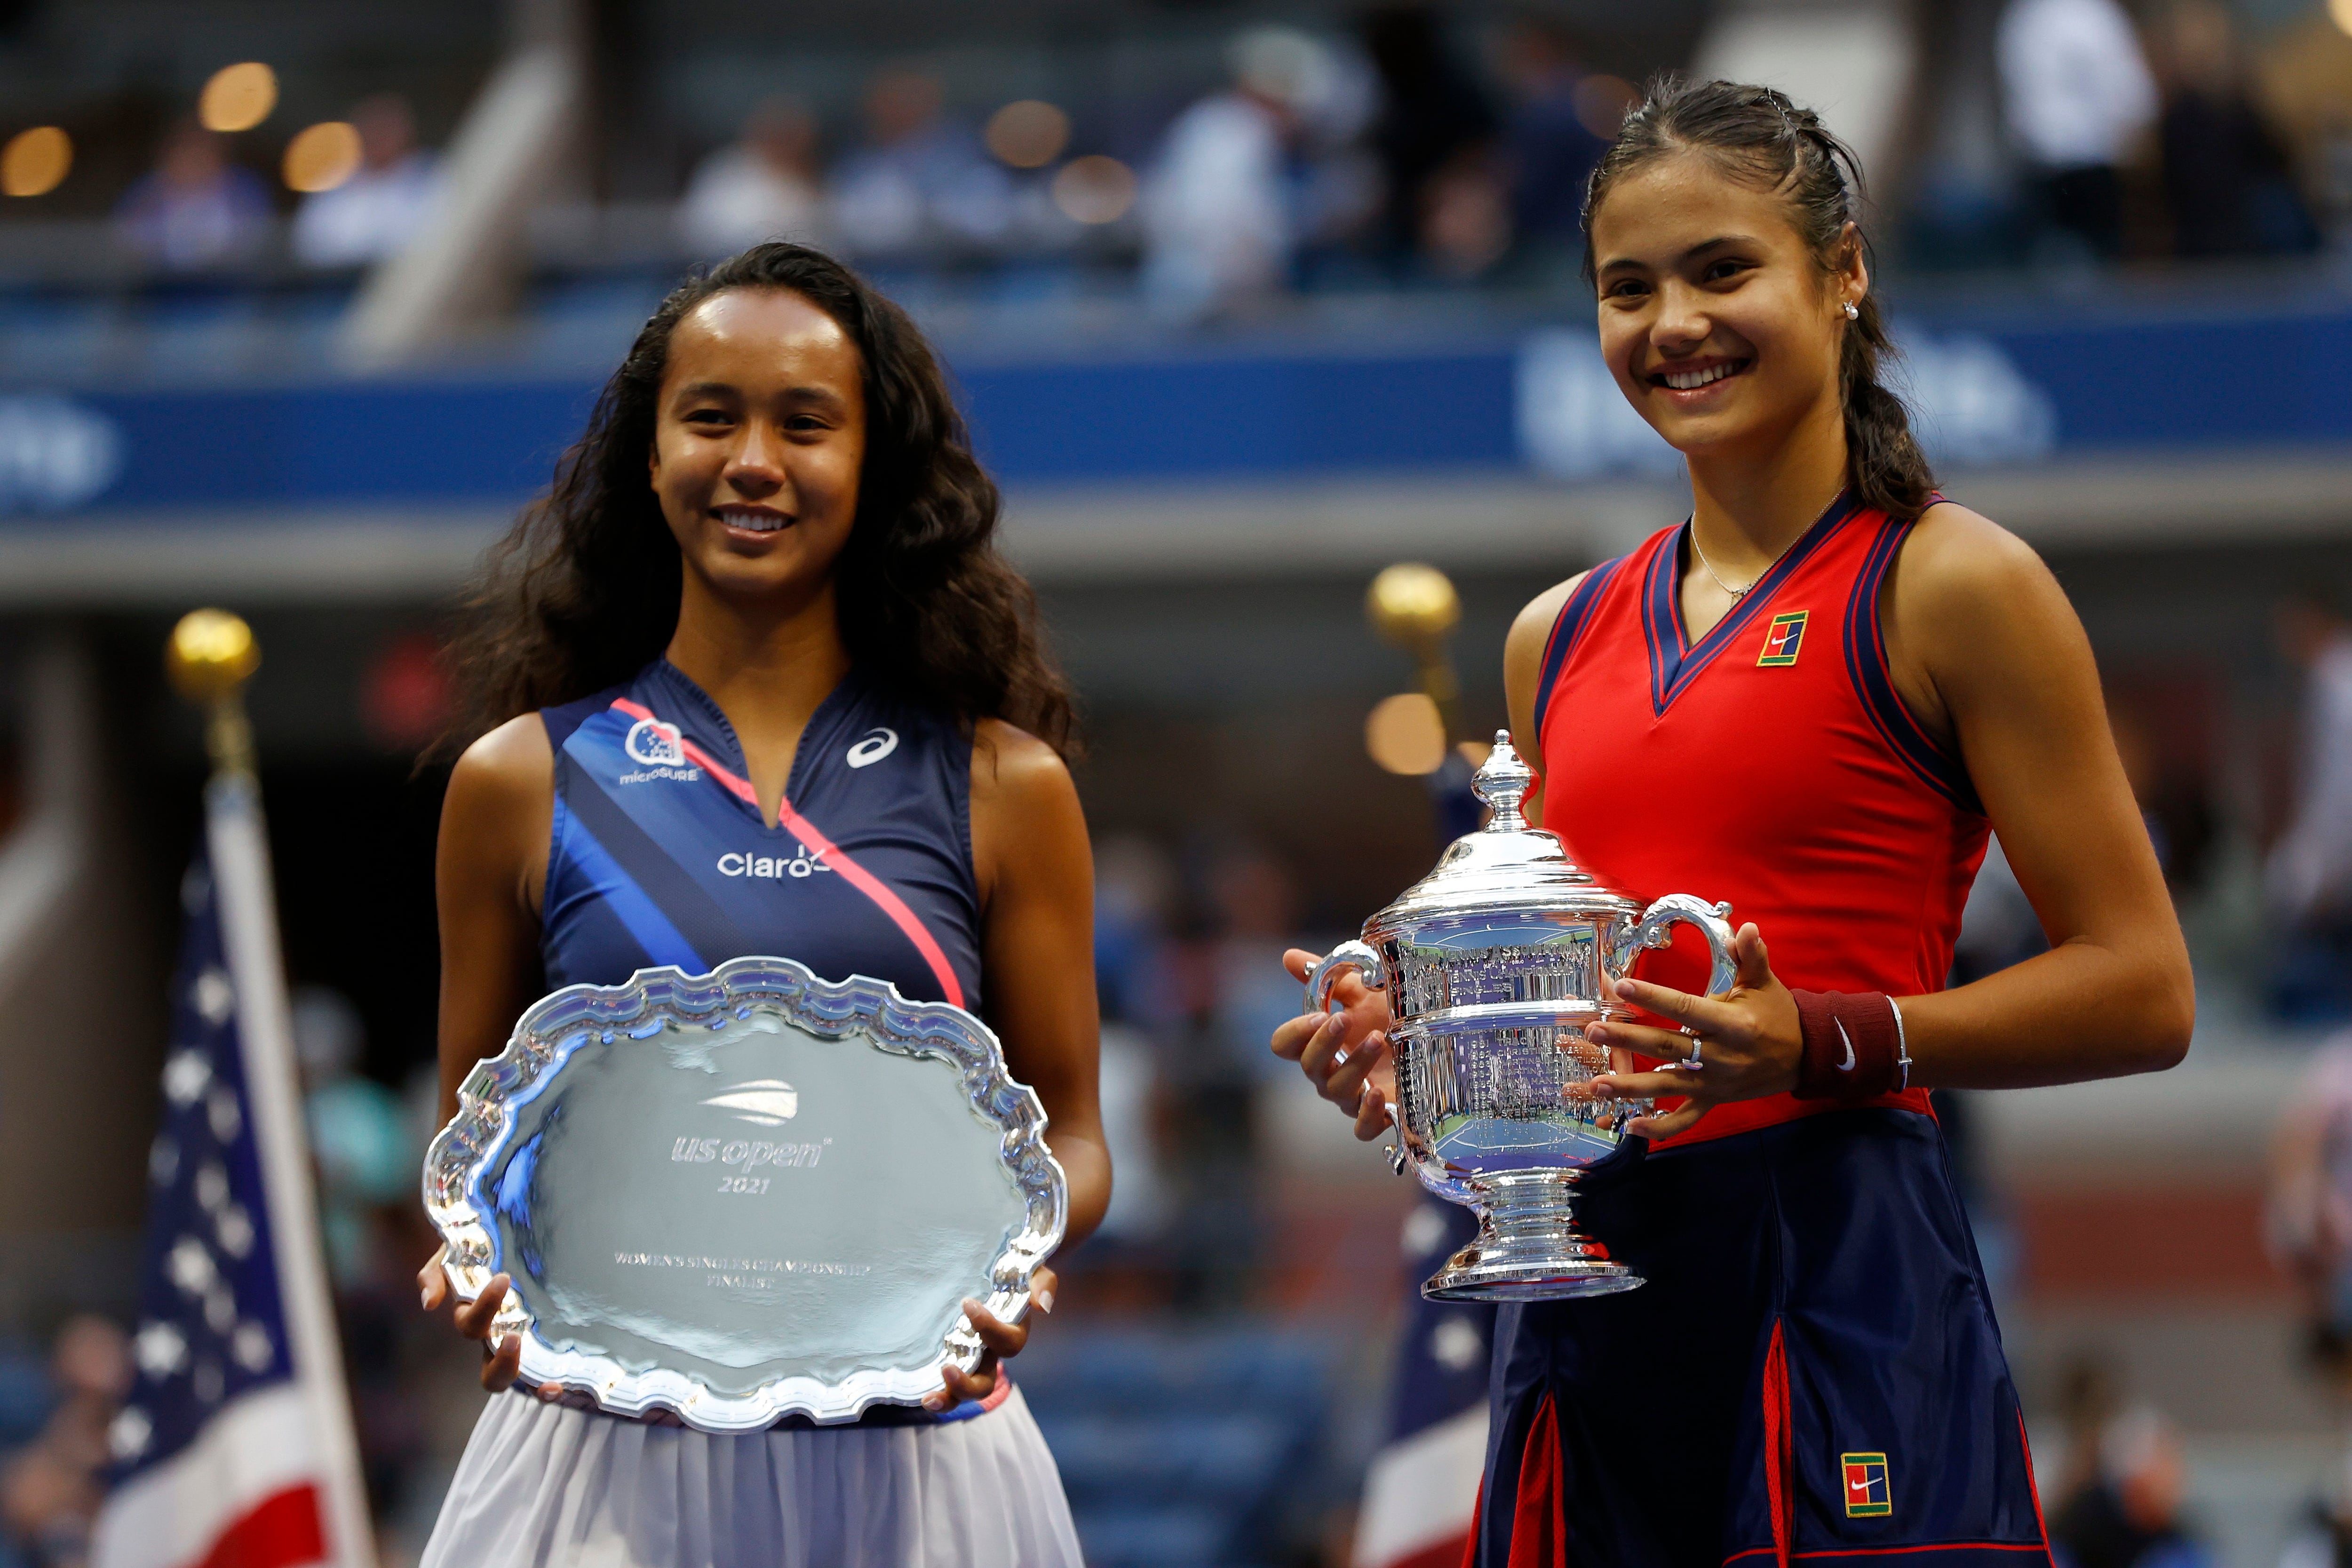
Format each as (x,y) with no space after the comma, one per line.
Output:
(1747,1040)
(998,1341)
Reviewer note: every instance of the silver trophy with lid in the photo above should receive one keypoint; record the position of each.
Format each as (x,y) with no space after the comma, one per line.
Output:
(1494,965)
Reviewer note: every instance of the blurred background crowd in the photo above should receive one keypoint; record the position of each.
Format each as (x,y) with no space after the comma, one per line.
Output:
(1247,300)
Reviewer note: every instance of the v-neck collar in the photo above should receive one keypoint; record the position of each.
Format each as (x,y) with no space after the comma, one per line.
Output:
(689,693)
(1674,660)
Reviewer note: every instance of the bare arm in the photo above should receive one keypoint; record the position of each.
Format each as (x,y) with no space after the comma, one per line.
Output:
(1036,876)
(1037,890)
(488,868)
(1983,642)
(1986,650)
(1523,651)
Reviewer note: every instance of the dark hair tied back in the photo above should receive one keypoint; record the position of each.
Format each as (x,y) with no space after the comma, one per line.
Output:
(1756,134)
(584,591)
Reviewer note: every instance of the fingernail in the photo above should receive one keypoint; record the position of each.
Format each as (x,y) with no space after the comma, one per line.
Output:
(1604,1092)
(1629,988)
(1044,1299)
(425,1298)
(935,1403)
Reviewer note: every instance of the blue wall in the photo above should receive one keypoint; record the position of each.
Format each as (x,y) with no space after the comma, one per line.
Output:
(2196,383)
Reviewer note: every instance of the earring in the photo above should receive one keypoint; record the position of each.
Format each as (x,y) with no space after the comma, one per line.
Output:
(1852,313)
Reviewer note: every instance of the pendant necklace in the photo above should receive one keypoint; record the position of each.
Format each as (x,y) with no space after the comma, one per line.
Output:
(1709,566)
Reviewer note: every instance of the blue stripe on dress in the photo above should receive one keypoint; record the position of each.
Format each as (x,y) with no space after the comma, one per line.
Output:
(662,941)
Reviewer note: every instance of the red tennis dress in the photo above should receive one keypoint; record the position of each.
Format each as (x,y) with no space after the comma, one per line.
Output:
(1833,1385)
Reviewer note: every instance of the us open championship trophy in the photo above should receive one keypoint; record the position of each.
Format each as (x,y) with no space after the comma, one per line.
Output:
(1494,965)
(747,1195)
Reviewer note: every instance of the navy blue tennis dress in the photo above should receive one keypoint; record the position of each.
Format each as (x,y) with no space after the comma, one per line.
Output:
(659,855)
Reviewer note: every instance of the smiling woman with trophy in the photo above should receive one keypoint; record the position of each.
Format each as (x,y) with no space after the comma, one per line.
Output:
(1743,1318)
(749,1209)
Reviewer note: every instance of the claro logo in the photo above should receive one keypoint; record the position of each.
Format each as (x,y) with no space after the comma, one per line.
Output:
(804,864)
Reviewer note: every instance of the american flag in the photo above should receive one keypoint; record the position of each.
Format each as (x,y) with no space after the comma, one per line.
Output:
(233,1448)
(1421,1488)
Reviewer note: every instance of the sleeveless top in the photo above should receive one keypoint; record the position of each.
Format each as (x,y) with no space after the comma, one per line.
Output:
(659,855)
(1770,763)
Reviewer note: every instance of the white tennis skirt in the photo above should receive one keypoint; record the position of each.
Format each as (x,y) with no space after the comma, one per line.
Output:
(542,1485)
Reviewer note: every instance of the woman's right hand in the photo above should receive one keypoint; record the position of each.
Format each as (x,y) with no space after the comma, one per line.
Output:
(501,1358)
(1344,1054)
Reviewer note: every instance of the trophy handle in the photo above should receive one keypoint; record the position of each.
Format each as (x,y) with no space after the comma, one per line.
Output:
(1655,929)
(1355,955)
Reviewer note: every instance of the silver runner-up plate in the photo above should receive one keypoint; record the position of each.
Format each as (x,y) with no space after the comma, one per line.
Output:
(747,1195)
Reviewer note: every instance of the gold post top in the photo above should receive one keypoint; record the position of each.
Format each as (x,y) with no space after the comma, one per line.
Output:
(211,655)
(1412,604)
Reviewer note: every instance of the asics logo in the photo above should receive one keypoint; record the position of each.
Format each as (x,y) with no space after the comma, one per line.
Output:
(654,744)
(872,750)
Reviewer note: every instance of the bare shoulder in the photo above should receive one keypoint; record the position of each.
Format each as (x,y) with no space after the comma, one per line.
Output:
(1531,628)
(1015,772)
(511,766)
(1961,563)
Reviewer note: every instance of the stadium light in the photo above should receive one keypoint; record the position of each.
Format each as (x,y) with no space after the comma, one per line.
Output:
(238,97)
(1028,133)
(1095,189)
(322,156)
(35,162)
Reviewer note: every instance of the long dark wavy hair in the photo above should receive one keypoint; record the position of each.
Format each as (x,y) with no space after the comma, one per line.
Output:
(582,592)
(1758,135)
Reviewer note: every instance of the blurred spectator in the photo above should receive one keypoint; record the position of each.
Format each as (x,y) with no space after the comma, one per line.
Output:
(2309,875)
(358,1131)
(2171,798)
(51,1487)
(2077,94)
(364,1142)
(1135,888)
(1220,215)
(1553,136)
(762,185)
(1436,141)
(388,198)
(2129,1516)
(2310,1207)
(2087,1400)
(2305,72)
(2326,1541)
(197,210)
(922,185)
(2225,175)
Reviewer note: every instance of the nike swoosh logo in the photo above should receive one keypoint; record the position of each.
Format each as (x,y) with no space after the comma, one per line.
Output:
(1847,1065)
(1861,1486)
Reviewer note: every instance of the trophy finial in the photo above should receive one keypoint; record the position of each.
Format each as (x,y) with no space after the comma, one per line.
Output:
(1503,783)
(1412,604)
(211,655)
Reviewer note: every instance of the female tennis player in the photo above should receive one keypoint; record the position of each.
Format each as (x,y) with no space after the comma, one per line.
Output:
(1811,698)
(762,684)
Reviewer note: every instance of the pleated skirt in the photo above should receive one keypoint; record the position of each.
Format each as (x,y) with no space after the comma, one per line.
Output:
(542,1485)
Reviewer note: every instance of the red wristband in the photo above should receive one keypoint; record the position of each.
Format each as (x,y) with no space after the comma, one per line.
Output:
(1852,1045)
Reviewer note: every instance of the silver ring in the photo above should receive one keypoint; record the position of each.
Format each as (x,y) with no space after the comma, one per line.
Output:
(1691,1063)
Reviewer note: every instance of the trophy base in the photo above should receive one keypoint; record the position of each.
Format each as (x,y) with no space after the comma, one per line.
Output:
(1527,1247)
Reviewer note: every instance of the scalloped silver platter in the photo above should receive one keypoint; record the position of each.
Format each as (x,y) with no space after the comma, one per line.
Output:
(747,1195)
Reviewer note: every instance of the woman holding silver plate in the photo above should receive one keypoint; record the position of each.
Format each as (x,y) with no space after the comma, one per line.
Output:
(1813,697)
(752,679)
